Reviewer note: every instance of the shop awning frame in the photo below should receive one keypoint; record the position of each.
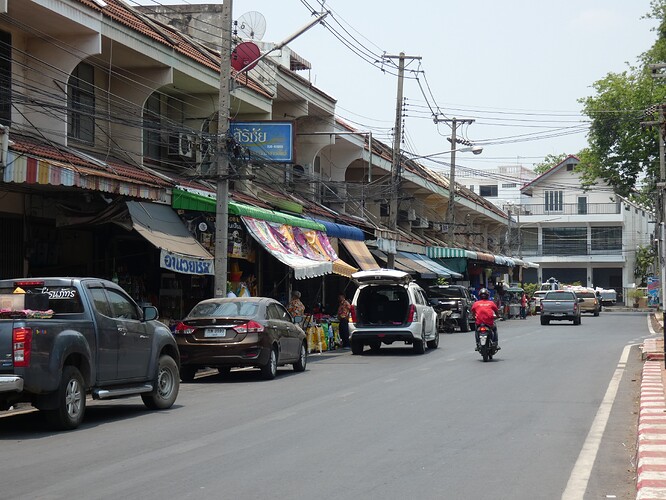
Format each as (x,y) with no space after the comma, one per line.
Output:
(361,254)
(335,230)
(436,267)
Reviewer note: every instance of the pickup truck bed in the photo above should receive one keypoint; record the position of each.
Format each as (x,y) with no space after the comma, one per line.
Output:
(560,305)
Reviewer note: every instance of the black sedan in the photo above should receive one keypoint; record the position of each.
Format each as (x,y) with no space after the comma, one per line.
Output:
(225,333)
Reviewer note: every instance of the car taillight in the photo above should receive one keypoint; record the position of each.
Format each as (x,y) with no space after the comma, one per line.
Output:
(352,311)
(575,307)
(249,327)
(28,283)
(412,316)
(183,329)
(22,345)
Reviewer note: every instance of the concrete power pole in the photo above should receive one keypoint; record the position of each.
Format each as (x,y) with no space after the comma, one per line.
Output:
(395,159)
(222,206)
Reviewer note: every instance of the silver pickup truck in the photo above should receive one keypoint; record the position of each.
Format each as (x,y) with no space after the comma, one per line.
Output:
(560,305)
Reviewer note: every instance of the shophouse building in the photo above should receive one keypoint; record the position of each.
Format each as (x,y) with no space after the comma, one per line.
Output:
(109,168)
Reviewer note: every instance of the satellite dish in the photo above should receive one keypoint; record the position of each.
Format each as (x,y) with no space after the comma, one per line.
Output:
(244,56)
(251,25)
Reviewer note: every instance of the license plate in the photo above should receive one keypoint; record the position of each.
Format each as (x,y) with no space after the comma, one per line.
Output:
(215,332)
(482,340)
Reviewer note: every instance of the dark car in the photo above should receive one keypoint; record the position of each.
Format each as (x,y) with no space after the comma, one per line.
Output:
(225,333)
(458,300)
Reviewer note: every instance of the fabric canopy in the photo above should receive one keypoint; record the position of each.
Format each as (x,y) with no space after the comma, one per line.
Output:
(162,227)
(435,267)
(333,229)
(445,252)
(457,264)
(307,252)
(361,254)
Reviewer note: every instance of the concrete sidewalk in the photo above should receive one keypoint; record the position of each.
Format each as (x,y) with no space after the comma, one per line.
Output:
(651,446)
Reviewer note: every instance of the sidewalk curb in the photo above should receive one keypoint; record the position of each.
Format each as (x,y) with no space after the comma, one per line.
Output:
(651,450)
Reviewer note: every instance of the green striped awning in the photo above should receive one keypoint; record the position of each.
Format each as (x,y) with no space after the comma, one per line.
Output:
(185,200)
(445,252)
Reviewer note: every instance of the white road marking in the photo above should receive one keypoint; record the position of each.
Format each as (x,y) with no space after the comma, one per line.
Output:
(580,475)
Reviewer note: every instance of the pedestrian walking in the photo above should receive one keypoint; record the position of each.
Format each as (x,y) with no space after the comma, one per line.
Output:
(523,306)
(344,308)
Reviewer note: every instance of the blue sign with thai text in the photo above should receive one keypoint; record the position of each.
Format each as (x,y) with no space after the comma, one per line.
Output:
(272,141)
(186,265)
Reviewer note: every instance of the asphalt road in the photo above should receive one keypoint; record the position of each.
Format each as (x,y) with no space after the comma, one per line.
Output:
(555,412)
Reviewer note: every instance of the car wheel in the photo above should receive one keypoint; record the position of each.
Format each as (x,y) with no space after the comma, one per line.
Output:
(167,383)
(545,321)
(375,346)
(464,323)
(71,399)
(187,373)
(596,313)
(299,366)
(269,370)
(419,346)
(434,343)
(356,347)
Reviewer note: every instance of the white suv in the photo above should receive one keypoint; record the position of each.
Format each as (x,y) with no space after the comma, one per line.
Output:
(390,307)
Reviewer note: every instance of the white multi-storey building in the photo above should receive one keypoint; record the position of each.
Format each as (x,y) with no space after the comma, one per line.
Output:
(576,235)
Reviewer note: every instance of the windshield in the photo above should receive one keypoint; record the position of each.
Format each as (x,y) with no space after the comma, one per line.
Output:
(447,293)
(60,299)
(231,309)
(560,296)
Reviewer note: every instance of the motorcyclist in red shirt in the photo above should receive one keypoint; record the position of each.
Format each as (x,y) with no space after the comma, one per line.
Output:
(485,311)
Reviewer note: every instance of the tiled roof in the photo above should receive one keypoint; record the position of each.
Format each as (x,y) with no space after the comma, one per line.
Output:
(103,168)
(121,13)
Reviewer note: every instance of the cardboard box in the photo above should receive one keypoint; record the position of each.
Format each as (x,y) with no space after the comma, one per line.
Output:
(12,301)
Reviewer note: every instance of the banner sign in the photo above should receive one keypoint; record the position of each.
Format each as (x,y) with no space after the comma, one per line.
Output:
(186,265)
(653,289)
(273,141)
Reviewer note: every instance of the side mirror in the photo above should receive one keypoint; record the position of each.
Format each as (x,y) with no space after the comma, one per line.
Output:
(298,320)
(434,302)
(150,313)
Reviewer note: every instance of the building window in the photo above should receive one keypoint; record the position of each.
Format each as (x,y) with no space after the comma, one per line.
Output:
(510,185)
(5,78)
(81,103)
(582,205)
(565,241)
(570,167)
(553,201)
(488,191)
(471,188)
(152,144)
(606,240)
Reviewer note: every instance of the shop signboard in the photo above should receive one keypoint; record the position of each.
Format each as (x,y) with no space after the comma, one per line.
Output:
(272,141)
(653,290)
(186,265)
(239,246)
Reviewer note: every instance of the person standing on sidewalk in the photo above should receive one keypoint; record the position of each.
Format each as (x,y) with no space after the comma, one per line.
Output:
(523,306)
(344,307)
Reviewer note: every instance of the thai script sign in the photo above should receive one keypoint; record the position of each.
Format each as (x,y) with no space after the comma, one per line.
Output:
(185,265)
(653,289)
(272,141)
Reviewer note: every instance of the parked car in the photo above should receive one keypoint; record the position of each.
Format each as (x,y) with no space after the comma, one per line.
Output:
(226,333)
(591,303)
(454,298)
(388,307)
(560,305)
(537,296)
(61,338)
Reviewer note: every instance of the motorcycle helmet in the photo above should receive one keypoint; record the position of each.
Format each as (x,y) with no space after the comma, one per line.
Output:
(484,294)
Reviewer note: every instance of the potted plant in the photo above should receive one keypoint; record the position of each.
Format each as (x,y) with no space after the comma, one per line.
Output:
(635,295)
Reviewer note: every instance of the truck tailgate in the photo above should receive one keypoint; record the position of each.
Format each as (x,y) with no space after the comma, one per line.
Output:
(6,358)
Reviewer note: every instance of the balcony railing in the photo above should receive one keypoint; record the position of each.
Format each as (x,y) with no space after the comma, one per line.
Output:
(569,209)
(564,250)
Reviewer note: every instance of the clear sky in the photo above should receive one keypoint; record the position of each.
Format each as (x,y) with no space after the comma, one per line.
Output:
(517,67)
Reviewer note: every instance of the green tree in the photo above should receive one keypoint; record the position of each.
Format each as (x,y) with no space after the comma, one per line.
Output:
(621,150)
(645,259)
(548,162)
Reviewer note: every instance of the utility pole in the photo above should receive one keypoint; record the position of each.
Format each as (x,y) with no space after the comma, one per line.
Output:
(222,206)
(454,123)
(395,158)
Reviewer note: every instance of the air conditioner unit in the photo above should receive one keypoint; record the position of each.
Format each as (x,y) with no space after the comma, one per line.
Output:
(420,223)
(186,145)
(436,227)
(411,214)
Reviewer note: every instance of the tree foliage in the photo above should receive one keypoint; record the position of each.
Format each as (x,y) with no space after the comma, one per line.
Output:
(645,259)
(621,150)
(548,162)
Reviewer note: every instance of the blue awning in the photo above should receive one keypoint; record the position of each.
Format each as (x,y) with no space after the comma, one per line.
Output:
(341,230)
(435,267)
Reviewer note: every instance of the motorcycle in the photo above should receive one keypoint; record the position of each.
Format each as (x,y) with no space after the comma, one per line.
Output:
(485,344)
(445,323)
